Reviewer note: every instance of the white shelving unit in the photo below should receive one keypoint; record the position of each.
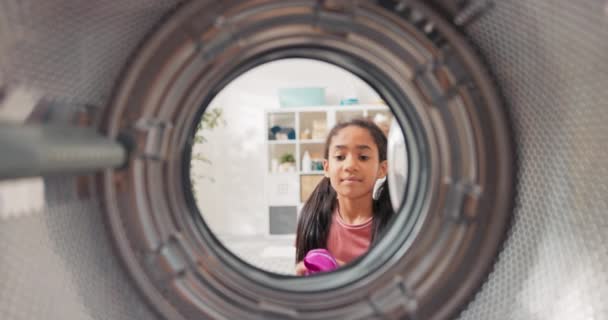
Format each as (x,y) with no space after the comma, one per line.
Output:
(284,189)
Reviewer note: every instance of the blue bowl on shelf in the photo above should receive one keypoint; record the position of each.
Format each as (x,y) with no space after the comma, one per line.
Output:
(349,101)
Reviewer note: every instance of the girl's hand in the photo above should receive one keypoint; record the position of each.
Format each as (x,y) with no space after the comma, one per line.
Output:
(300,269)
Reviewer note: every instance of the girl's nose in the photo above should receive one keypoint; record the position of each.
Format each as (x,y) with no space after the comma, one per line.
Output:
(350,163)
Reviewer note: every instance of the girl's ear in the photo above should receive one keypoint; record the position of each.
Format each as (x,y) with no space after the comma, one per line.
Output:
(326,168)
(382,170)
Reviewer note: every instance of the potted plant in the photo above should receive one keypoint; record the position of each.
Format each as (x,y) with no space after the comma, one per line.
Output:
(287,163)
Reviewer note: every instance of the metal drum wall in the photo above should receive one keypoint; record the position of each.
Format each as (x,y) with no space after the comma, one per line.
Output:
(60,61)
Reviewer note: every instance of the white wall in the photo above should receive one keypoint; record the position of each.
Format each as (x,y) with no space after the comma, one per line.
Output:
(234,204)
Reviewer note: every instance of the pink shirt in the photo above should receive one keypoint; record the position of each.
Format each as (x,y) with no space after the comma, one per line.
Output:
(347,242)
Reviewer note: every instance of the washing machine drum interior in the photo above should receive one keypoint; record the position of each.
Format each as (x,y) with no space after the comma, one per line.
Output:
(497,167)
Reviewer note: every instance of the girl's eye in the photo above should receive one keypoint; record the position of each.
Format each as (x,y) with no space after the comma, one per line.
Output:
(364,157)
(339,157)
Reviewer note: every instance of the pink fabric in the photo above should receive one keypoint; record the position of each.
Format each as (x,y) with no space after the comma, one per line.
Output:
(347,242)
(319,260)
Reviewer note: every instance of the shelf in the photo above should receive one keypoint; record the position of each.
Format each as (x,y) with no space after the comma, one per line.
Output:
(288,173)
(301,173)
(318,141)
(281,141)
(317,172)
(311,141)
(332,108)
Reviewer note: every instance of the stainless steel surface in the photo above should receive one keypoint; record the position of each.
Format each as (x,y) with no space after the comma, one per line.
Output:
(57,262)
(551,62)
(69,50)
(34,150)
(550,59)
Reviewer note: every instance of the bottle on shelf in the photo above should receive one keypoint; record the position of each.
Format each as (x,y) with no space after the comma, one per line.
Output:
(274,167)
(305,135)
(306,162)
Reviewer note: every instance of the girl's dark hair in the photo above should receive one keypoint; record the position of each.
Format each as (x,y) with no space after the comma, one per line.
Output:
(316,216)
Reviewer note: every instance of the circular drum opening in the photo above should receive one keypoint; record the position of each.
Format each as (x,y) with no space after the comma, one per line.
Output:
(262,139)
(453,189)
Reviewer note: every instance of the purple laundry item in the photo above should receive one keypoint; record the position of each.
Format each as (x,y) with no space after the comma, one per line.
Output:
(319,260)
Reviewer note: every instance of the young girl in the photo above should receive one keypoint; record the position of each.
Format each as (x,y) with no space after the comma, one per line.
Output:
(341,214)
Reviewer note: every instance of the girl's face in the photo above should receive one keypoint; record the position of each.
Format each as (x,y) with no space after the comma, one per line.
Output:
(353,165)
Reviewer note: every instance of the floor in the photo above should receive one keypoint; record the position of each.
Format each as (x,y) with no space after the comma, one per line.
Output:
(270,253)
